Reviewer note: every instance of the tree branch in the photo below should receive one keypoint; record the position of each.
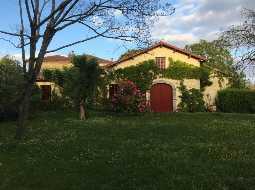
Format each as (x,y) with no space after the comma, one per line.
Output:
(61,6)
(13,34)
(28,12)
(22,40)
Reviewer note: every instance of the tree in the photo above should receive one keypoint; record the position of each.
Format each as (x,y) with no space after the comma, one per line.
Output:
(79,83)
(220,59)
(217,56)
(83,82)
(11,82)
(241,39)
(127,20)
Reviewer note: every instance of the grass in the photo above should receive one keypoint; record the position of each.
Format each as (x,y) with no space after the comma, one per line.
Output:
(144,152)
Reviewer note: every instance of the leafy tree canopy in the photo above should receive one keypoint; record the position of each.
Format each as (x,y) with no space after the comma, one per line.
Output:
(217,56)
(220,58)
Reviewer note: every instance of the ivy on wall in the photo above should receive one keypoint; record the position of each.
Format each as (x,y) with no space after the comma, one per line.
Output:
(144,73)
(180,70)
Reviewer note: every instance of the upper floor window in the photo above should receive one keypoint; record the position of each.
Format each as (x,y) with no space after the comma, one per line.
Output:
(161,62)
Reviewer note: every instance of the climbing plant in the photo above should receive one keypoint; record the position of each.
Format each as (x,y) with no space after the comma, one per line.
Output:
(180,70)
(144,73)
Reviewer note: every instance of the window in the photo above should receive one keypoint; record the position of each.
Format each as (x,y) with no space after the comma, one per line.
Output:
(113,90)
(161,62)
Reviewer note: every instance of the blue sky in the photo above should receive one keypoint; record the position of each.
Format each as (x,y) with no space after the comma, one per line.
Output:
(104,48)
(193,20)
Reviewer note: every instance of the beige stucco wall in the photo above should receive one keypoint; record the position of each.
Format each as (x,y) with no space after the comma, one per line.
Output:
(55,65)
(210,92)
(159,52)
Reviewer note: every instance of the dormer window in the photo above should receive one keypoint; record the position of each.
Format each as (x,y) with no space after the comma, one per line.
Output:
(161,62)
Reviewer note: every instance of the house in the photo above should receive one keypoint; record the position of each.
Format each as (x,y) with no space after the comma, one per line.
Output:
(59,62)
(164,93)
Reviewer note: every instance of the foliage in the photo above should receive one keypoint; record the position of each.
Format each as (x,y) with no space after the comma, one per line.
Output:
(236,100)
(191,100)
(220,59)
(86,80)
(217,56)
(142,74)
(128,98)
(11,87)
(205,73)
(79,82)
(212,151)
(55,75)
(180,70)
(237,79)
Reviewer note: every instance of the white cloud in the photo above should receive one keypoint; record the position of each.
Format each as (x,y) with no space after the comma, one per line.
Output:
(199,19)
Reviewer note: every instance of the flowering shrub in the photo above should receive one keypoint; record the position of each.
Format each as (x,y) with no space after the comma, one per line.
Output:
(128,98)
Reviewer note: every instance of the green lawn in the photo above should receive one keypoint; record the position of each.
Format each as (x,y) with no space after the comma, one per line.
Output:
(168,151)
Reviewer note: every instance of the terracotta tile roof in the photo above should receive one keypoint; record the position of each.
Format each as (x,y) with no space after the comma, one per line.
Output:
(160,44)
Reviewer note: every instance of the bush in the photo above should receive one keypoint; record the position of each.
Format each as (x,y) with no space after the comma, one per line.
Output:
(191,100)
(128,98)
(236,101)
(11,88)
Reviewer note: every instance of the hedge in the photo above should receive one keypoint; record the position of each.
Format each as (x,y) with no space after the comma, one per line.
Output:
(236,101)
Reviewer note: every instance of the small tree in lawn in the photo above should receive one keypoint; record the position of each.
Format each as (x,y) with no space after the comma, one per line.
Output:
(42,20)
(80,82)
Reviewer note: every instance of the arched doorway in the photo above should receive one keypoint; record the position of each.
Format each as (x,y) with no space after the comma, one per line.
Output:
(161,98)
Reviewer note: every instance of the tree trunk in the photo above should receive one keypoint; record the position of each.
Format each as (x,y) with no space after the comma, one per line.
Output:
(23,112)
(82,110)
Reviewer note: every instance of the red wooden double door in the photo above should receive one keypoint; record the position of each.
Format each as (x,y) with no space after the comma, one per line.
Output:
(161,98)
